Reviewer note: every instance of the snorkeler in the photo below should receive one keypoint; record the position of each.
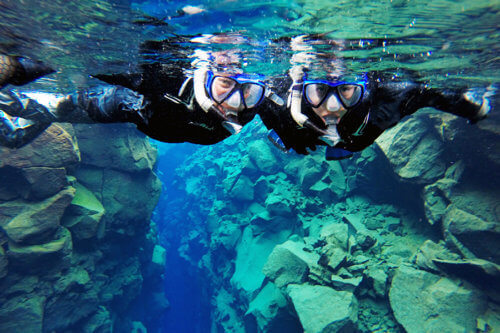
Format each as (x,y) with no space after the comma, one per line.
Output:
(19,71)
(347,114)
(205,107)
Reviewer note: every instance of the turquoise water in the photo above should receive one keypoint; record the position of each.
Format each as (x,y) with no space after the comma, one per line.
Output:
(445,41)
(211,276)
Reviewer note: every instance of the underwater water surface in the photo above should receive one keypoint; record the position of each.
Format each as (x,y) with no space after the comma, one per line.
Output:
(402,237)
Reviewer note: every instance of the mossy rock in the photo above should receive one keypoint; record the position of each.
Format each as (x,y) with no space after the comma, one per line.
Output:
(3,263)
(34,223)
(84,214)
(34,257)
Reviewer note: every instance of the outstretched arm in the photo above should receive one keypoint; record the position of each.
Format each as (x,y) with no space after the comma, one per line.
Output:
(410,97)
(19,70)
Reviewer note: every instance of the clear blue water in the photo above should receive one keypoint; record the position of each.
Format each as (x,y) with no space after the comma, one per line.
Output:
(448,43)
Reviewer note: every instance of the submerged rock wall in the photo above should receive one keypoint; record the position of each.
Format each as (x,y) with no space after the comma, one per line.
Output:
(77,248)
(403,237)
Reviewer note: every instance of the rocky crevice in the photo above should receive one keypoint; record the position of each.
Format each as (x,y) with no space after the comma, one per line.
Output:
(77,245)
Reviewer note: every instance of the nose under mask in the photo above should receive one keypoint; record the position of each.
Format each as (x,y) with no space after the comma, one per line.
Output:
(234,100)
(333,104)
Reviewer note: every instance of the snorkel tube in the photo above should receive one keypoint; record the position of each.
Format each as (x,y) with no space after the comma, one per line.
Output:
(295,101)
(301,61)
(202,66)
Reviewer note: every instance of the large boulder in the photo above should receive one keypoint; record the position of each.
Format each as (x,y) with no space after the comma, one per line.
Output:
(251,254)
(260,153)
(41,256)
(242,189)
(84,214)
(271,312)
(119,146)
(22,314)
(478,236)
(289,263)
(424,302)
(32,223)
(324,310)
(53,148)
(414,150)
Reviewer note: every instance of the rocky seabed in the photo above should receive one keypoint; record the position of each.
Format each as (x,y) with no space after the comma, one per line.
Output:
(404,237)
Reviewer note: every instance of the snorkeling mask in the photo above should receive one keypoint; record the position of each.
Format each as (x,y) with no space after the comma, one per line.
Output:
(237,91)
(335,94)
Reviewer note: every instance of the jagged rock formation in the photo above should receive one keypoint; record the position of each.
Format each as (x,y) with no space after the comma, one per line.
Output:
(308,245)
(76,244)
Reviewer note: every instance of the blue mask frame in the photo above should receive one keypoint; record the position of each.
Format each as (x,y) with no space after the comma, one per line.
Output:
(241,80)
(333,86)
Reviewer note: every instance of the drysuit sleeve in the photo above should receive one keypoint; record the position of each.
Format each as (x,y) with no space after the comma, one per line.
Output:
(293,137)
(396,100)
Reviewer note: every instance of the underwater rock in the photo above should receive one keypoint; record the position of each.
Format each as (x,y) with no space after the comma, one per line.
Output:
(99,322)
(478,236)
(43,182)
(83,215)
(32,223)
(260,153)
(41,256)
(429,251)
(251,255)
(482,273)
(3,263)
(414,150)
(113,188)
(424,302)
(125,149)
(289,263)
(242,189)
(323,309)
(437,196)
(22,314)
(309,171)
(336,234)
(74,299)
(377,277)
(54,148)
(272,313)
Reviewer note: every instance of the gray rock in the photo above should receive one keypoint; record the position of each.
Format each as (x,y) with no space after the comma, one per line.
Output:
(271,311)
(336,234)
(260,153)
(322,309)
(243,189)
(3,263)
(414,149)
(39,257)
(288,263)
(378,279)
(84,214)
(22,314)
(424,302)
(100,322)
(482,273)
(429,251)
(478,236)
(44,182)
(36,222)
(128,151)
(349,284)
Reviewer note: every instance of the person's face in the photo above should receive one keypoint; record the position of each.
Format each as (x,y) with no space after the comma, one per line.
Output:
(332,107)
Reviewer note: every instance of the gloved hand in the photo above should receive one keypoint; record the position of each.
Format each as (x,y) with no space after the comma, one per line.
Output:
(18,105)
